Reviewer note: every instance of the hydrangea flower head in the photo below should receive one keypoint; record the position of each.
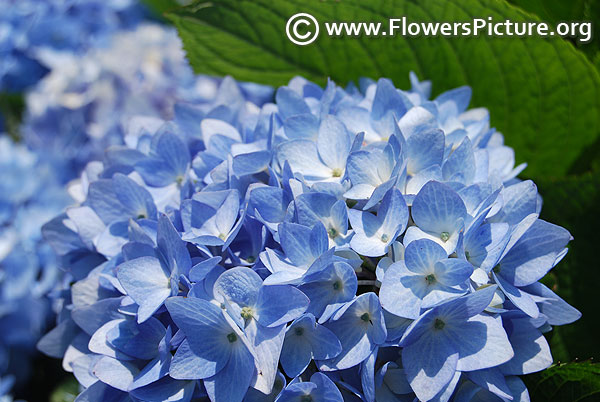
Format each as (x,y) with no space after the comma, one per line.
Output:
(335,244)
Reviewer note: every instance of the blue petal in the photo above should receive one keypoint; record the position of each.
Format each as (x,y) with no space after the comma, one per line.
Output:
(326,390)
(360,328)
(291,303)
(206,330)
(232,382)
(240,285)
(437,209)
(519,298)
(430,364)
(118,374)
(289,103)
(534,254)
(296,354)
(167,390)
(532,352)
(146,283)
(424,149)
(396,294)
(482,343)
(333,143)
(421,255)
(558,311)
(266,346)
(303,245)
(301,126)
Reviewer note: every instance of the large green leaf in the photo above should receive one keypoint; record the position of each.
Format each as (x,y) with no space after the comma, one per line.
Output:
(574,202)
(543,94)
(573,382)
(554,11)
(558,11)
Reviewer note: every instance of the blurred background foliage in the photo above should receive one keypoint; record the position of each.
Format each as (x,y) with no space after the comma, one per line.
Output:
(542,93)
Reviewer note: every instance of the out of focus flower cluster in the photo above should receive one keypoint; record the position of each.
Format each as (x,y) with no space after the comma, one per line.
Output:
(85,103)
(30,194)
(338,244)
(34,32)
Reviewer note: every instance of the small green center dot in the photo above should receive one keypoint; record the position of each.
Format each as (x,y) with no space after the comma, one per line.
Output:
(299,331)
(179,180)
(306,398)
(366,317)
(141,216)
(332,233)
(385,238)
(444,236)
(222,236)
(430,279)
(467,255)
(247,313)
(251,259)
(337,285)
(337,172)
(439,324)
(232,337)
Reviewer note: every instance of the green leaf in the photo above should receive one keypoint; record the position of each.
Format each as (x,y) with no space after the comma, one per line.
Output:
(11,110)
(543,94)
(574,203)
(66,391)
(571,382)
(160,7)
(554,11)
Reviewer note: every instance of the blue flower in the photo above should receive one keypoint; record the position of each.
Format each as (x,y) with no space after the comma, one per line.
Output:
(360,327)
(323,159)
(424,279)
(454,336)
(319,388)
(373,234)
(150,279)
(217,351)
(306,340)
(439,215)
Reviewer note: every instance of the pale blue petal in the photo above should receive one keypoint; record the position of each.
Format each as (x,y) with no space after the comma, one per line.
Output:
(424,149)
(232,382)
(291,303)
(118,374)
(430,364)
(532,352)
(534,254)
(437,209)
(333,143)
(146,283)
(166,390)
(481,343)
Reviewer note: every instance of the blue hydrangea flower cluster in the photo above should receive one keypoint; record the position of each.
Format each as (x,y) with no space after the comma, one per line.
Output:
(34,32)
(30,194)
(338,244)
(90,99)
